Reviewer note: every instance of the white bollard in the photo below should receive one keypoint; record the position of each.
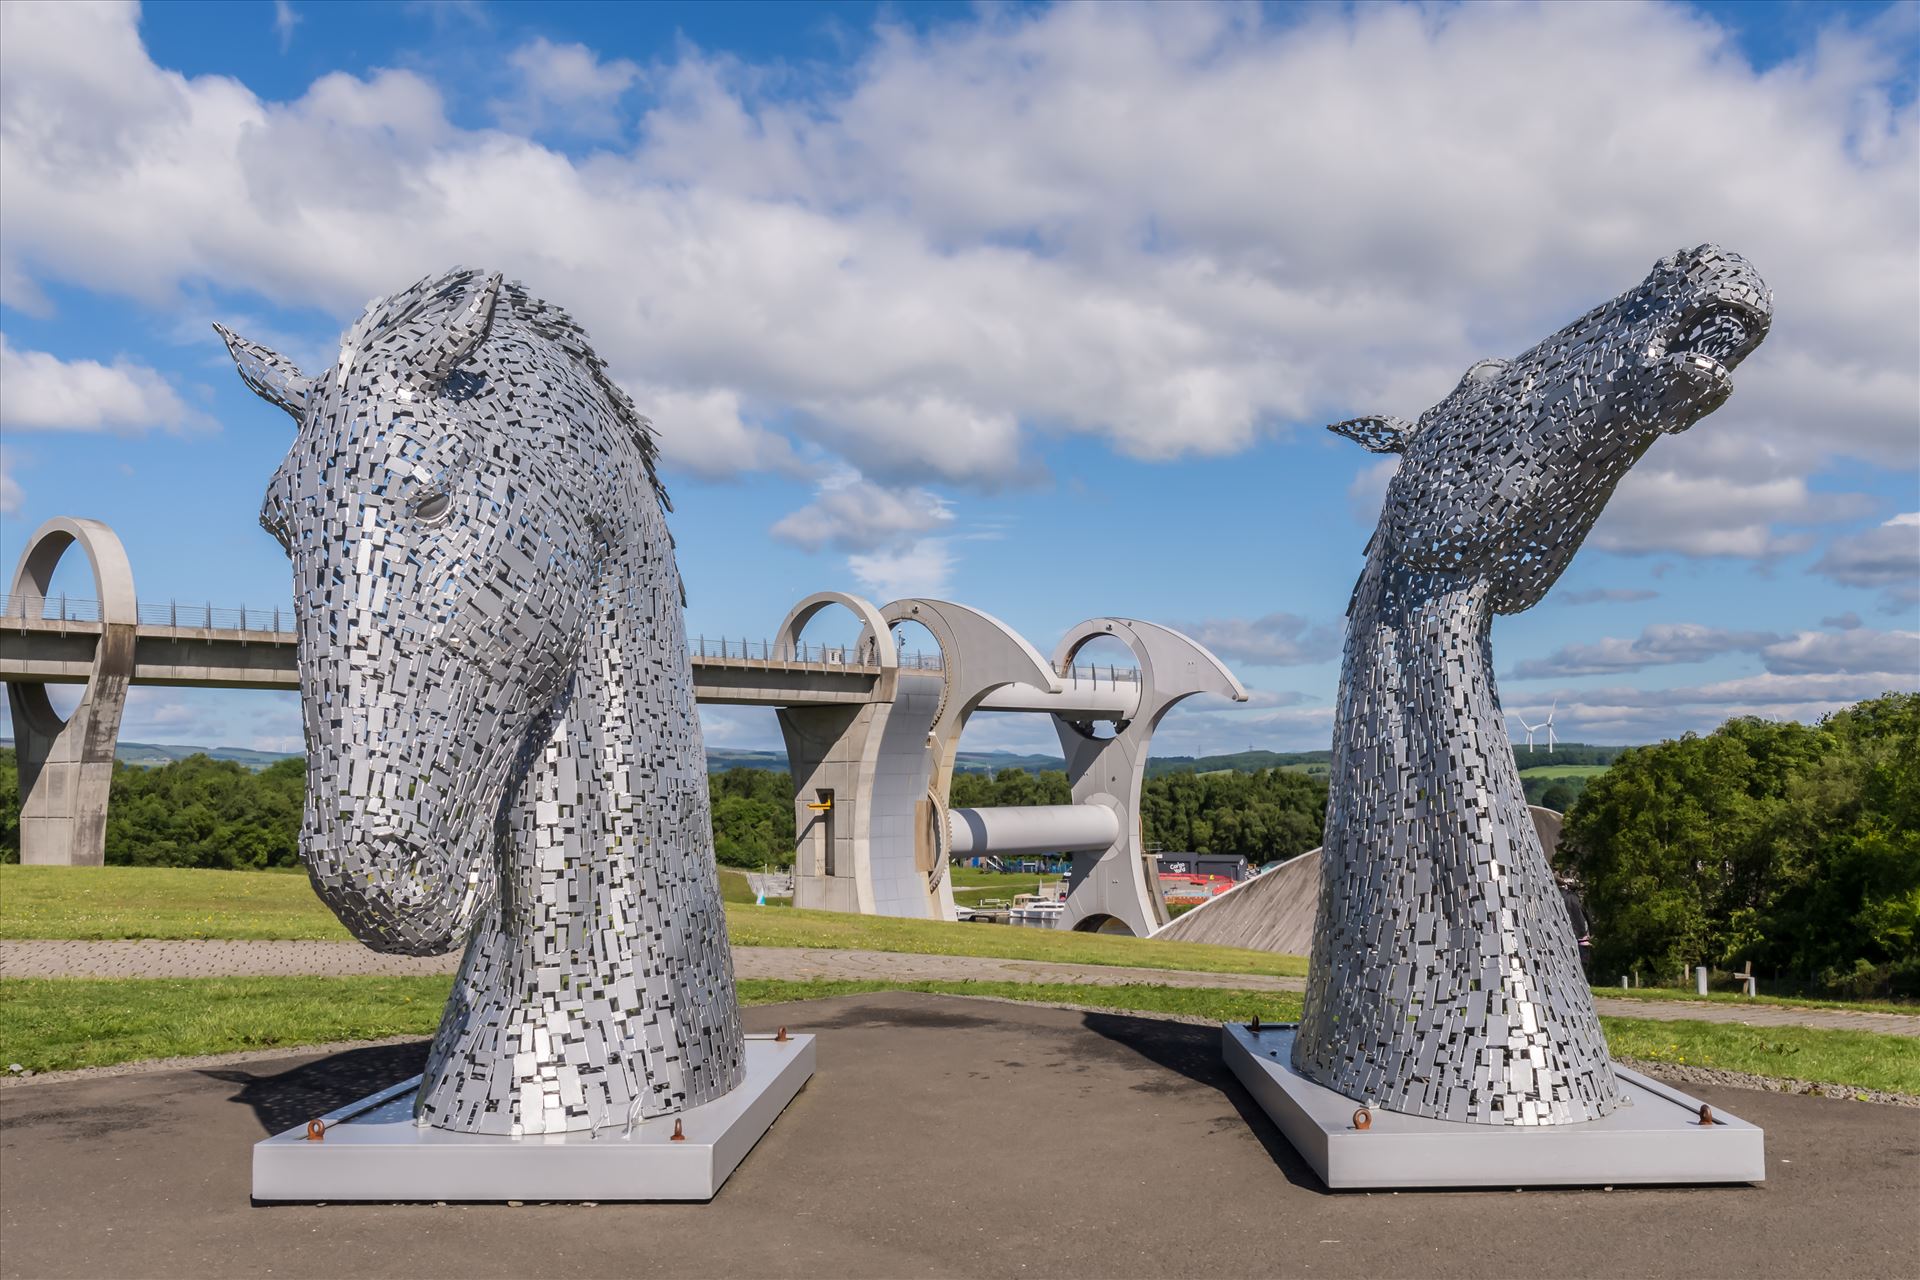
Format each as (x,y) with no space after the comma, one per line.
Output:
(1700,979)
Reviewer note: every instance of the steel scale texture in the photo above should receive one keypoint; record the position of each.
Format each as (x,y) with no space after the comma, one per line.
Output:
(1445,981)
(502,746)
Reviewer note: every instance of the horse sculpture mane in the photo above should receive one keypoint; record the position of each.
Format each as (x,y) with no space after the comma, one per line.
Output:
(502,744)
(515,312)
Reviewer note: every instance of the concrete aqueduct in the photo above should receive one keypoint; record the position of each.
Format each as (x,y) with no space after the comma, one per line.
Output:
(871,739)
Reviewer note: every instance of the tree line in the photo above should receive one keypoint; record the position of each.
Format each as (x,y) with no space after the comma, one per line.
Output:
(1794,847)
(200,812)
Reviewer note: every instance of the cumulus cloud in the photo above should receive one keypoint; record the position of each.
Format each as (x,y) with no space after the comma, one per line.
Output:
(1662,644)
(1847,621)
(850,513)
(1885,557)
(1276,640)
(1629,715)
(921,568)
(1176,229)
(1714,493)
(41,392)
(1893,653)
(12,497)
(1605,595)
(706,433)
(565,88)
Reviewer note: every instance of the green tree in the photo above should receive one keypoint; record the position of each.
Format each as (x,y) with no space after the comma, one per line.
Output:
(1791,846)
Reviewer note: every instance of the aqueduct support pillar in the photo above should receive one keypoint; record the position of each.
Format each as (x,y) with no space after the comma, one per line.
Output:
(66,767)
(1117,889)
(833,753)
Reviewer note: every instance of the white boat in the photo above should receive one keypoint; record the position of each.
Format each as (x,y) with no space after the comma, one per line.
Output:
(1036,912)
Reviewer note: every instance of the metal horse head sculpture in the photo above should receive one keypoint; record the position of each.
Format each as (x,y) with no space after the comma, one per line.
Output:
(502,743)
(1445,978)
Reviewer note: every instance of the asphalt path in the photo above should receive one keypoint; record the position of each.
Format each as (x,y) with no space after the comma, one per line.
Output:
(940,1137)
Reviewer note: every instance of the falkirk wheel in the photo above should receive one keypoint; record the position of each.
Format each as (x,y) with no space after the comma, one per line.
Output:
(874,831)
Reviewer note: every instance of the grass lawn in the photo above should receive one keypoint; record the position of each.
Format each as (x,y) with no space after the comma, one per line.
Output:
(768,927)
(149,902)
(160,902)
(1802,1053)
(1731,997)
(735,887)
(54,1024)
(1563,770)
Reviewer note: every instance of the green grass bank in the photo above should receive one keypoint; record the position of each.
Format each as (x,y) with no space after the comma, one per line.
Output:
(62,1023)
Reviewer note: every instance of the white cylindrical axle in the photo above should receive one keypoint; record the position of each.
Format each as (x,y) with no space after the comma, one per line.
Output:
(1031,829)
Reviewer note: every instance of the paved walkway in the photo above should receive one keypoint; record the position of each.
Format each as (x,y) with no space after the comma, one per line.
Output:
(214,959)
(1088,1134)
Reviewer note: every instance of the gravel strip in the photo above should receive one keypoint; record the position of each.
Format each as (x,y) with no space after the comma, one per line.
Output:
(1679,1074)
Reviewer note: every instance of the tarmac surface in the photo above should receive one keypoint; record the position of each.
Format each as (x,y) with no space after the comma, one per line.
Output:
(241,958)
(940,1137)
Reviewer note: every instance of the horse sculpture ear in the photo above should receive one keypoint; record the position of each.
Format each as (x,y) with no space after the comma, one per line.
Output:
(446,347)
(272,376)
(1380,433)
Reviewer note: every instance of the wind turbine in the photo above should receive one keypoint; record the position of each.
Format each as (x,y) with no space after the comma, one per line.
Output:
(1546,724)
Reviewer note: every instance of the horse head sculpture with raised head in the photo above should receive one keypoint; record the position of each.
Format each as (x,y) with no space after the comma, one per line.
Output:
(502,743)
(1445,980)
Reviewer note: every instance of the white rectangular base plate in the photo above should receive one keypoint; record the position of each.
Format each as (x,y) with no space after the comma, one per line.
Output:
(373,1150)
(1658,1139)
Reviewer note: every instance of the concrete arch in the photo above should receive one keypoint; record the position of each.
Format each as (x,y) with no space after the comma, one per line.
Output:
(1118,888)
(66,767)
(978,654)
(786,641)
(1169,660)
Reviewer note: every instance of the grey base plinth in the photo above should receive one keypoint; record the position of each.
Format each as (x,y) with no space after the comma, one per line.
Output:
(373,1149)
(1658,1139)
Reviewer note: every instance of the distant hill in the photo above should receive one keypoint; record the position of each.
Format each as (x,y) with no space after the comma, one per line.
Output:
(1538,764)
(157,753)
(1242,762)
(720,759)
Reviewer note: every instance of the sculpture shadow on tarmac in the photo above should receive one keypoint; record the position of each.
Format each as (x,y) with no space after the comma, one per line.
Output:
(290,1098)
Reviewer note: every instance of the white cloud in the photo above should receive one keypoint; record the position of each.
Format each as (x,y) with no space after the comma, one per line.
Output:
(1368,492)
(705,432)
(1893,653)
(1885,557)
(1719,495)
(41,392)
(850,513)
(1275,640)
(1849,651)
(921,568)
(284,21)
(565,88)
(1177,229)
(12,497)
(1628,715)
(1661,644)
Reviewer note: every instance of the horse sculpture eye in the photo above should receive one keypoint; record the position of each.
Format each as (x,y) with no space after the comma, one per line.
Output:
(432,507)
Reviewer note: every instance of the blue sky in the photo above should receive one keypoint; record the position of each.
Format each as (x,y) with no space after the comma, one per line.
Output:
(1040,309)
